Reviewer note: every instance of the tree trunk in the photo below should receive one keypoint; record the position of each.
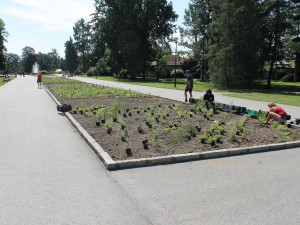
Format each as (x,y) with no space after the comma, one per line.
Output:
(297,68)
(274,48)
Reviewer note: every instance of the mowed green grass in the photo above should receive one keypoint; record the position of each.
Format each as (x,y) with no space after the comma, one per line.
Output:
(283,98)
(4,82)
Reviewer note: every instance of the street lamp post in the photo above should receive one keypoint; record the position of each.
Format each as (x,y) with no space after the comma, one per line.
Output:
(175,64)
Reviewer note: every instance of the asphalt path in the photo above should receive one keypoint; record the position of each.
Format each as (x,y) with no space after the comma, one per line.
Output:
(48,175)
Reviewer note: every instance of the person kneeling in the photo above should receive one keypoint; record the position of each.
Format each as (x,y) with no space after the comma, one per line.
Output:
(209,99)
(276,113)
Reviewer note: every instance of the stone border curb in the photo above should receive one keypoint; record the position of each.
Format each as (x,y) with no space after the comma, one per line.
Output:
(110,164)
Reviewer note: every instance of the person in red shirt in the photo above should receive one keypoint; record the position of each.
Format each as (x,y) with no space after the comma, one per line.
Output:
(39,80)
(276,113)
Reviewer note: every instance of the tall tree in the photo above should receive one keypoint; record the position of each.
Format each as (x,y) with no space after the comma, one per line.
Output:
(28,58)
(233,43)
(71,58)
(130,29)
(13,63)
(194,35)
(273,32)
(81,35)
(294,36)
(3,36)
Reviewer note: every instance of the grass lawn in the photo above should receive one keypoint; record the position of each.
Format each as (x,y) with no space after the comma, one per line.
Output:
(280,92)
(283,98)
(162,83)
(2,82)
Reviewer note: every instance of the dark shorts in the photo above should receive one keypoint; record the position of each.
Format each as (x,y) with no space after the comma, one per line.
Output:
(187,89)
(39,81)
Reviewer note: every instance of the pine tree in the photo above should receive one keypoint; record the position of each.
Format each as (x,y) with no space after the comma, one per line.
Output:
(233,43)
(195,33)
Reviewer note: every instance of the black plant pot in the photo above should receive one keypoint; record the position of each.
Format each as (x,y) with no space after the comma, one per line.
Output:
(202,141)
(109,131)
(150,125)
(145,110)
(145,146)
(125,115)
(140,131)
(204,116)
(75,112)
(207,118)
(148,108)
(129,114)
(123,139)
(138,112)
(145,141)
(128,151)
(97,123)
(212,143)
(147,123)
(115,119)
(193,134)
(103,121)
(119,111)
(81,112)
(127,110)
(94,112)
(122,127)
(168,115)
(191,115)
(159,105)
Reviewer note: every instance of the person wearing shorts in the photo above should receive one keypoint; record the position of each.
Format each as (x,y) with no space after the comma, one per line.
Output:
(189,85)
(39,80)
(276,113)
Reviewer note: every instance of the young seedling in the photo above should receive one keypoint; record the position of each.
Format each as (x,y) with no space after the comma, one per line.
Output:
(233,134)
(115,110)
(108,126)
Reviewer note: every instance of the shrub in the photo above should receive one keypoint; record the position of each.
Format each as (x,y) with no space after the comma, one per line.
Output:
(44,72)
(288,78)
(179,73)
(92,71)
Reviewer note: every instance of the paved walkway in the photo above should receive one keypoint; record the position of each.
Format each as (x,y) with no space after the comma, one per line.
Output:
(48,175)
(294,111)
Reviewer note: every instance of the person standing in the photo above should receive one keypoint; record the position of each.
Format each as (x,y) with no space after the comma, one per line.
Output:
(39,80)
(189,85)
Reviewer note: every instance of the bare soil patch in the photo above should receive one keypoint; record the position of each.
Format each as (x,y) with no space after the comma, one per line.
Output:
(164,137)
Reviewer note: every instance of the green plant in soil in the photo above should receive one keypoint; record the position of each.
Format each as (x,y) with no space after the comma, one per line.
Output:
(93,91)
(140,128)
(108,126)
(122,124)
(204,110)
(222,129)
(74,111)
(150,118)
(88,114)
(262,116)
(203,138)
(233,134)
(102,113)
(242,123)
(176,107)
(124,135)
(286,135)
(210,112)
(115,109)
(81,110)
(275,124)
(245,132)
(154,138)
(282,127)
(183,114)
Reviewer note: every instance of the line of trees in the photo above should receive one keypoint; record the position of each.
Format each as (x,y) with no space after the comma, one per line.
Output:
(232,40)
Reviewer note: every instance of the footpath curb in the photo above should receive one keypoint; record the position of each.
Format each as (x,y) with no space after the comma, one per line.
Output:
(111,164)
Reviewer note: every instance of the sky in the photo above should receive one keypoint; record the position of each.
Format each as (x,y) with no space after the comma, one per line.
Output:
(47,24)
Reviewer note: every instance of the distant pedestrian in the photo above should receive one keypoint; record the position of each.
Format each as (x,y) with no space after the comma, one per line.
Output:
(39,80)
(189,85)
(276,113)
(23,74)
(209,99)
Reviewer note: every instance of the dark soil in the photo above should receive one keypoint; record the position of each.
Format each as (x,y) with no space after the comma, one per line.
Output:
(116,147)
